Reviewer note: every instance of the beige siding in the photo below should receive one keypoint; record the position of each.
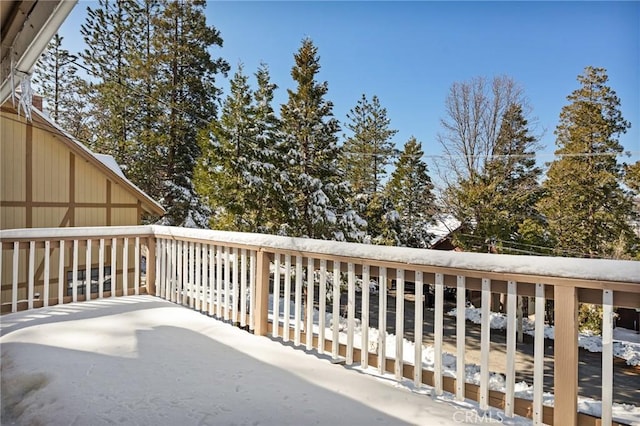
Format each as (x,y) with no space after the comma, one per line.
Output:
(12,153)
(91,184)
(49,217)
(120,195)
(124,216)
(91,216)
(50,168)
(12,217)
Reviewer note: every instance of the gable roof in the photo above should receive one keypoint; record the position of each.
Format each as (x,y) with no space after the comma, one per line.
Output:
(105,163)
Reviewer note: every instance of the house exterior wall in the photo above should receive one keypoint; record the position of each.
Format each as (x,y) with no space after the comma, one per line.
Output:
(45,182)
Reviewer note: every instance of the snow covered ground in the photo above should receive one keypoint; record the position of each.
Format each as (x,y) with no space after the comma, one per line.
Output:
(626,343)
(139,360)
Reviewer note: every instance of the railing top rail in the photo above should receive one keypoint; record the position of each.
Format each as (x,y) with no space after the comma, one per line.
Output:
(545,266)
(75,232)
(624,271)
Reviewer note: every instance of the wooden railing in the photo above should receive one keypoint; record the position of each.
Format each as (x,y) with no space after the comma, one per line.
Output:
(318,294)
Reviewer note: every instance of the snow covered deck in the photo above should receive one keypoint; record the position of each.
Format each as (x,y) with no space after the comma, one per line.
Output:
(99,352)
(142,360)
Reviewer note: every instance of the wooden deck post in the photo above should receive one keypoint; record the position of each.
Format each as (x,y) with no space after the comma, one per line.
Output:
(262,294)
(151,265)
(565,368)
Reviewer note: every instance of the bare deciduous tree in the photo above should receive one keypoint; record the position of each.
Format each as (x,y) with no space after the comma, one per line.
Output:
(474,111)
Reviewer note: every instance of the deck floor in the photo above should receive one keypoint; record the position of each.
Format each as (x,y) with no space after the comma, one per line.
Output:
(140,360)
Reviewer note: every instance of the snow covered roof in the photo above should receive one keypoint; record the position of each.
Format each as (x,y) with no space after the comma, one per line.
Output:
(111,163)
(443,226)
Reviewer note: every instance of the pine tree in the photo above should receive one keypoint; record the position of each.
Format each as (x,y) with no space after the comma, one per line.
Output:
(317,194)
(369,149)
(410,191)
(110,35)
(56,77)
(587,210)
(226,154)
(186,88)
(366,153)
(146,111)
(268,157)
(498,204)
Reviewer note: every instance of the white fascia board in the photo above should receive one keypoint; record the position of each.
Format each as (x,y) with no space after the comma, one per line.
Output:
(38,30)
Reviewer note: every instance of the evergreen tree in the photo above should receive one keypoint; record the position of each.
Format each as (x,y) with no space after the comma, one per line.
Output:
(410,191)
(186,88)
(236,174)
(146,111)
(498,204)
(587,210)
(268,157)
(110,35)
(366,153)
(369,149)
(62,89)
(316,192)
(226,153)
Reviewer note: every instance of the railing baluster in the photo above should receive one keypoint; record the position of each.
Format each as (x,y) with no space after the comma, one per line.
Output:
(136,273)
(460,337)
(158,265)
(418,323)
(366,279)
(538,356)
(61,274)
(173,287)
(101,269)
(87,273)
(192,272)
(351,308)
(198,276)
(438,333)
(47,272)
(31,284)
(114,267)
(243,288)
(252,290)
(163,267)
(322,305)
(512,291)
(335,316)
(125,266)
(211,277)
(287,297)
(226,282)
(276,295)
(219,281)
(310,293)
(485,343)
(399,364)
(234,280)
(298,301)
(607,356)
(382,319)
(204,284)
(180,275)
(15,278)
(74,272)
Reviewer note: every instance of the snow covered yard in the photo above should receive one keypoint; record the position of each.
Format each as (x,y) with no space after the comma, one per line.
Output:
(140,360)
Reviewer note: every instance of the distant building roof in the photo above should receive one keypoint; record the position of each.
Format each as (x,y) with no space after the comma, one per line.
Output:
(443,226)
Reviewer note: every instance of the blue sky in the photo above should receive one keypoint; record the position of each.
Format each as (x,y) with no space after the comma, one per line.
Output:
(410,53)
